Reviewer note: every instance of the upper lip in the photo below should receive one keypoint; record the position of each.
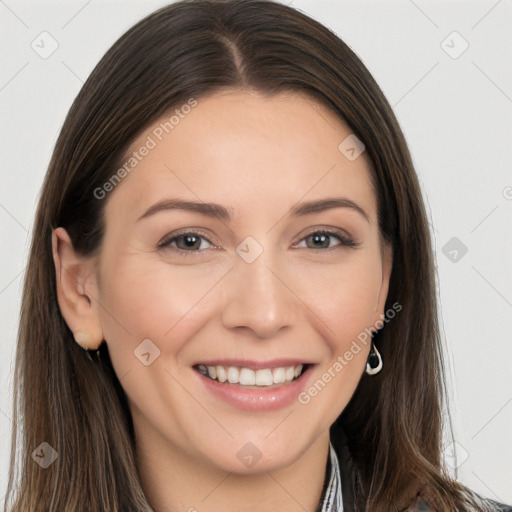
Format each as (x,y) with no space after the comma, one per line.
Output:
(253,364)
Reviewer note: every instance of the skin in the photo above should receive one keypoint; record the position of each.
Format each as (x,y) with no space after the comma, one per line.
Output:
(258,157)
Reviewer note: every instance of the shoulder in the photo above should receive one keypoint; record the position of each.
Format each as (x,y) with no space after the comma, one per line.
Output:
(471,502)
(423,499)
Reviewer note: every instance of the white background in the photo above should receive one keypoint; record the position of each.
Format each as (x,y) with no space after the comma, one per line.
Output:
(457,118)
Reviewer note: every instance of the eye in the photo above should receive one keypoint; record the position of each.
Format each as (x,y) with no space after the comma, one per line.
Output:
(187,241)
(322,239)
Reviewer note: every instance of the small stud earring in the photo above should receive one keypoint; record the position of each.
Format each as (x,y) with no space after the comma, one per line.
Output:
(83,338)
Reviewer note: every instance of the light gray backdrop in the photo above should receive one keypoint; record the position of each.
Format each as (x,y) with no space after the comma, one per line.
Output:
(444,66)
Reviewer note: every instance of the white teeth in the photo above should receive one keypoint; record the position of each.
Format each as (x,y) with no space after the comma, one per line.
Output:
(279,376)
(221,374)
(248,377)
(264,377)
(289,373)
(233,375)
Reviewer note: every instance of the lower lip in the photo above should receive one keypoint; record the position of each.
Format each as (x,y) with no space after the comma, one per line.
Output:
(257,399)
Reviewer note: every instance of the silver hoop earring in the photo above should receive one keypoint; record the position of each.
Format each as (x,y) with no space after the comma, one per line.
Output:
(374,363)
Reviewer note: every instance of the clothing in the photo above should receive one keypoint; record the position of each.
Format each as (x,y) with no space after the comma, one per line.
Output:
(331,496)
(336,495)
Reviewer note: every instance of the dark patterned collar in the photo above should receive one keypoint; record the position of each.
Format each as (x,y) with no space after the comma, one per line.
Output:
(331,499)
(340,474)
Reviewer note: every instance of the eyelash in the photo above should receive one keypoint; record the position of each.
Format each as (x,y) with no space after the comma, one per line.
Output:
(344,241)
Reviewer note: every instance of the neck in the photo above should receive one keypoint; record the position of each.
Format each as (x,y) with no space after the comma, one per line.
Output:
(173,481)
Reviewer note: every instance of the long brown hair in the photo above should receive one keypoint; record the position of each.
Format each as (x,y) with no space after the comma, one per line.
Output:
(393,423)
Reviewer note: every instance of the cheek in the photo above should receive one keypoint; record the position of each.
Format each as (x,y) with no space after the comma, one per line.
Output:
(344,312)
(344,299)
(144,299)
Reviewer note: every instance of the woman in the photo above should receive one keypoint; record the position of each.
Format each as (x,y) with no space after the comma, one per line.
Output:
(230,303)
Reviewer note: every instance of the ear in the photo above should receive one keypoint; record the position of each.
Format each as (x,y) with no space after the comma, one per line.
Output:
(77,291)
(387,265)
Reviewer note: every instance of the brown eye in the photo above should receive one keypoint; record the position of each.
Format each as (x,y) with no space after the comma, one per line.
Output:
(188,242)
(324,239)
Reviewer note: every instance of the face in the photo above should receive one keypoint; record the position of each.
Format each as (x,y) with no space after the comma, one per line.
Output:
(243,268)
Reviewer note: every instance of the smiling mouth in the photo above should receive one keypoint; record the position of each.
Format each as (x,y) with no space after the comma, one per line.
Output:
(246,377)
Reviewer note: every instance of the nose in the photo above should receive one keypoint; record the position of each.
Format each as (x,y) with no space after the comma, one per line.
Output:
(257,298)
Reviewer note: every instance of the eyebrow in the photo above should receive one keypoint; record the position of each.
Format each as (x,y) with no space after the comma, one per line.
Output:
(220,212)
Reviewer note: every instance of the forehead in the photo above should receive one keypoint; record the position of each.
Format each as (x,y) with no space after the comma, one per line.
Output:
(232,146)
